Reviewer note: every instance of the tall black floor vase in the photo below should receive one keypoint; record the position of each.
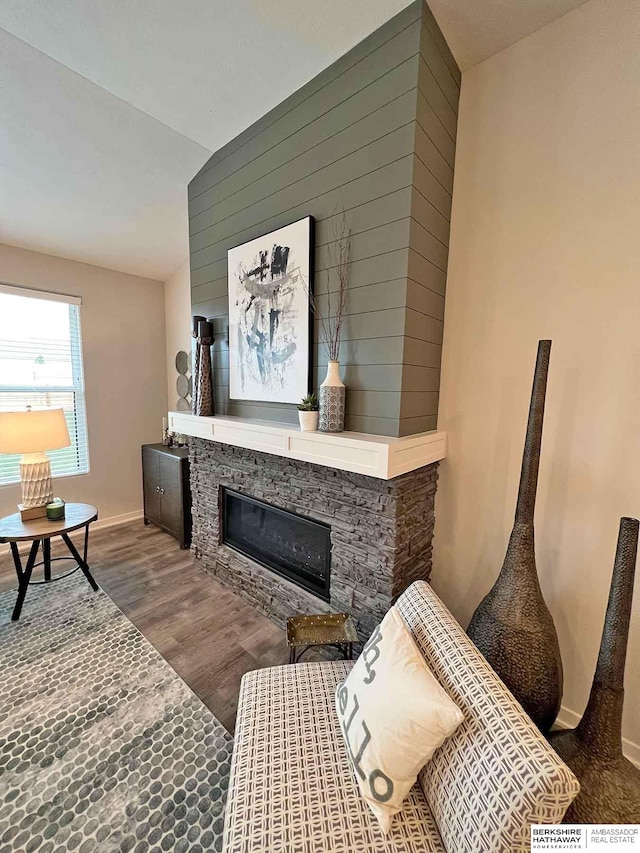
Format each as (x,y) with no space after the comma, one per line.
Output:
(609,783)
(512,626)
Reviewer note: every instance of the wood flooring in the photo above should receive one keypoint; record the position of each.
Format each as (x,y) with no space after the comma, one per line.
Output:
(208,634)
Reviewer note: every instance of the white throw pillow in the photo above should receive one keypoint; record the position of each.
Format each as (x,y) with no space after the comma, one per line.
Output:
(393,715)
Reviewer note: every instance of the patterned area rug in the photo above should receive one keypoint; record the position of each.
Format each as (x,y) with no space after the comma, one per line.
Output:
(102,746)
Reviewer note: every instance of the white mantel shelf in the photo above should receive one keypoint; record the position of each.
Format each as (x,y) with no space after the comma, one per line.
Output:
(374,455)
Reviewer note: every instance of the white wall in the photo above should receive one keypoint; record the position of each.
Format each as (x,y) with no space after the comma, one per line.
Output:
(177,311)
(123,338)
(545,243)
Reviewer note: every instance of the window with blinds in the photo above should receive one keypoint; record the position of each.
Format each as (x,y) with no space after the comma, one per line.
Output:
(41,367)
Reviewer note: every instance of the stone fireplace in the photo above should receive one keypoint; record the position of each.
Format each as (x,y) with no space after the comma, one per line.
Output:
(379,530)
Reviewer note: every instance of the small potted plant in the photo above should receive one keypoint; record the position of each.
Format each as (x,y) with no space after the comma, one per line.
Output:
(308,413)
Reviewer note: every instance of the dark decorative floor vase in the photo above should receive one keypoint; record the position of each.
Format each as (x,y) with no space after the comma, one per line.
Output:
(512,626)
(609,783)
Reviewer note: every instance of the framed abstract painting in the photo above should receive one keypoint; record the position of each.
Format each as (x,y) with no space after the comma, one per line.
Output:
(270,331)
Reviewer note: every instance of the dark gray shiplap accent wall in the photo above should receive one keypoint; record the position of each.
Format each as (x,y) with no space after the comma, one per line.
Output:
(438,93)
(350,139)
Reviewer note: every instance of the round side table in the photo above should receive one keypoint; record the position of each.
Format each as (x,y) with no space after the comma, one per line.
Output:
(39,532)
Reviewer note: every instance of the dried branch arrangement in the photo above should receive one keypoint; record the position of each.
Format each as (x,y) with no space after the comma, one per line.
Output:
(339,255)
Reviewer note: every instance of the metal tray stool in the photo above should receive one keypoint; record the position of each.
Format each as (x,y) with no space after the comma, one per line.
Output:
(325,629)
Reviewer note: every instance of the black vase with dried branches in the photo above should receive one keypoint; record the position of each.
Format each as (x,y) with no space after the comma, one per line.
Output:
(512,625)
(332,391)
(609,783)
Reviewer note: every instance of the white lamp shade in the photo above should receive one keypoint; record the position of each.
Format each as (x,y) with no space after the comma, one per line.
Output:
(33,431)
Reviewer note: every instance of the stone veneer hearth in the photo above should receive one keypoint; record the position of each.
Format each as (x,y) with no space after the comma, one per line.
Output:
(381,530)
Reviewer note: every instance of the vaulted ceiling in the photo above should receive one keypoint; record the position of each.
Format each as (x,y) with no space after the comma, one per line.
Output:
(109,108)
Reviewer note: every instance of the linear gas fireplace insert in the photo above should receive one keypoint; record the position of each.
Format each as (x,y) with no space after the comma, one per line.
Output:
(292,545)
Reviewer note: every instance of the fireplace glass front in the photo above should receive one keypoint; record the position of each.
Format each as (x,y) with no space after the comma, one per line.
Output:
(296,547)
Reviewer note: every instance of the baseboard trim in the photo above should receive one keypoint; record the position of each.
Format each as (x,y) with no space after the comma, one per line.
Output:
(568,719)
(114,520)
(100,524)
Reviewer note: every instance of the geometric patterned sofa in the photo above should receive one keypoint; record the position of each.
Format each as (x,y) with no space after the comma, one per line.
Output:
(292,789)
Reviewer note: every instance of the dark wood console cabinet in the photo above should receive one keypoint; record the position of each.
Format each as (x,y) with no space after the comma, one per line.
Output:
(166,490)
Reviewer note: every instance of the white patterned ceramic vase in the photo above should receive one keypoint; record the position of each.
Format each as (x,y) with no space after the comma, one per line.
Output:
(308,421)
(332,397)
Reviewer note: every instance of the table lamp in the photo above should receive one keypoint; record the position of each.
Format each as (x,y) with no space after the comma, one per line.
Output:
(31,433)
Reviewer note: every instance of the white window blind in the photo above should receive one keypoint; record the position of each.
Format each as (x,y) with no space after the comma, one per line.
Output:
(41,366)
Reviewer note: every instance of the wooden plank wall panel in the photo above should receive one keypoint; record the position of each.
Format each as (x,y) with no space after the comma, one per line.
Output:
(434,157)
(346,139)
(360,136)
